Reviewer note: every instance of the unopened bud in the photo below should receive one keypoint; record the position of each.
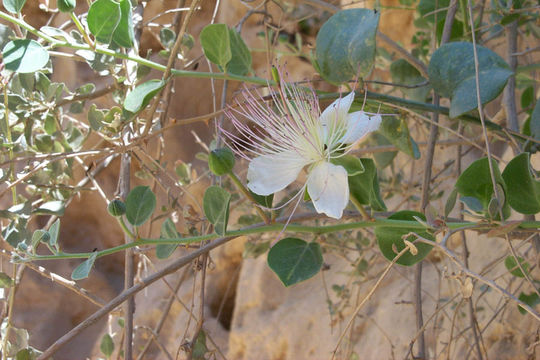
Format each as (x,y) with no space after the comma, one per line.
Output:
(221,161)
(116,208)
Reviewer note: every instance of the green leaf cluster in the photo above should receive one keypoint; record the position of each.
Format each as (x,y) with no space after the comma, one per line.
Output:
(518,187)
(452,74)
(345,45)
(111,21)
(226,48)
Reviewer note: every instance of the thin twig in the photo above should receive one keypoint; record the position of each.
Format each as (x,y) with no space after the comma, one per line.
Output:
(509,96)
(68,284)
(203,262)
(165,313)
(480,110)
(428,165)
(93,95)
(478,277)
(154,336)
(170,64)
(129,308)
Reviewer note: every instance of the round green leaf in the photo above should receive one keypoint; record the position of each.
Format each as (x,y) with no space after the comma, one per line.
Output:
(429,9)
(216,208)
(82,271)
(351,163)
(216,44)
(5,280)
(240,62)
(168,231)
(531,299)
(523,193)
(364,187)
(124,34)
(476,182)
(24,56)
(404,73)
(264,201)
(40,236)
(397,132)
(382,159)
(107,345)
(103,18)
(390,241)
(295,260)
(66,5)
(14,6)
(346,44)
(167,37)
(51,208)
(140,204)
(54,231)
(512,266)
(139,98)
(527,97)
(535,121)
(452,74)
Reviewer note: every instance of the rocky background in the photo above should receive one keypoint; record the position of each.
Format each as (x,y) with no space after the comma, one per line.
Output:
(248,313)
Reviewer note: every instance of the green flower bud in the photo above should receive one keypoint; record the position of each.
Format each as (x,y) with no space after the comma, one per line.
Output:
(66,6)
(40,236)
(116,208)
(221,161)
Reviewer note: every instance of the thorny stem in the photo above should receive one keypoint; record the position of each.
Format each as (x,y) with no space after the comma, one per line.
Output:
(262,228)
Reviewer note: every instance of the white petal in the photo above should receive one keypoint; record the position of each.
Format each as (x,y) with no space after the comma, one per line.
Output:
(337,110)
(268,174)
(359,125)
(328,188)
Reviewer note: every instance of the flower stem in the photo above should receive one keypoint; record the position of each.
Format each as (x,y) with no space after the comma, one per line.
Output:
(125,228)
(248,195)
(360,208)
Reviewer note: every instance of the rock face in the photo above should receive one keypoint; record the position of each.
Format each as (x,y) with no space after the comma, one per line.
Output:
(248,313)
